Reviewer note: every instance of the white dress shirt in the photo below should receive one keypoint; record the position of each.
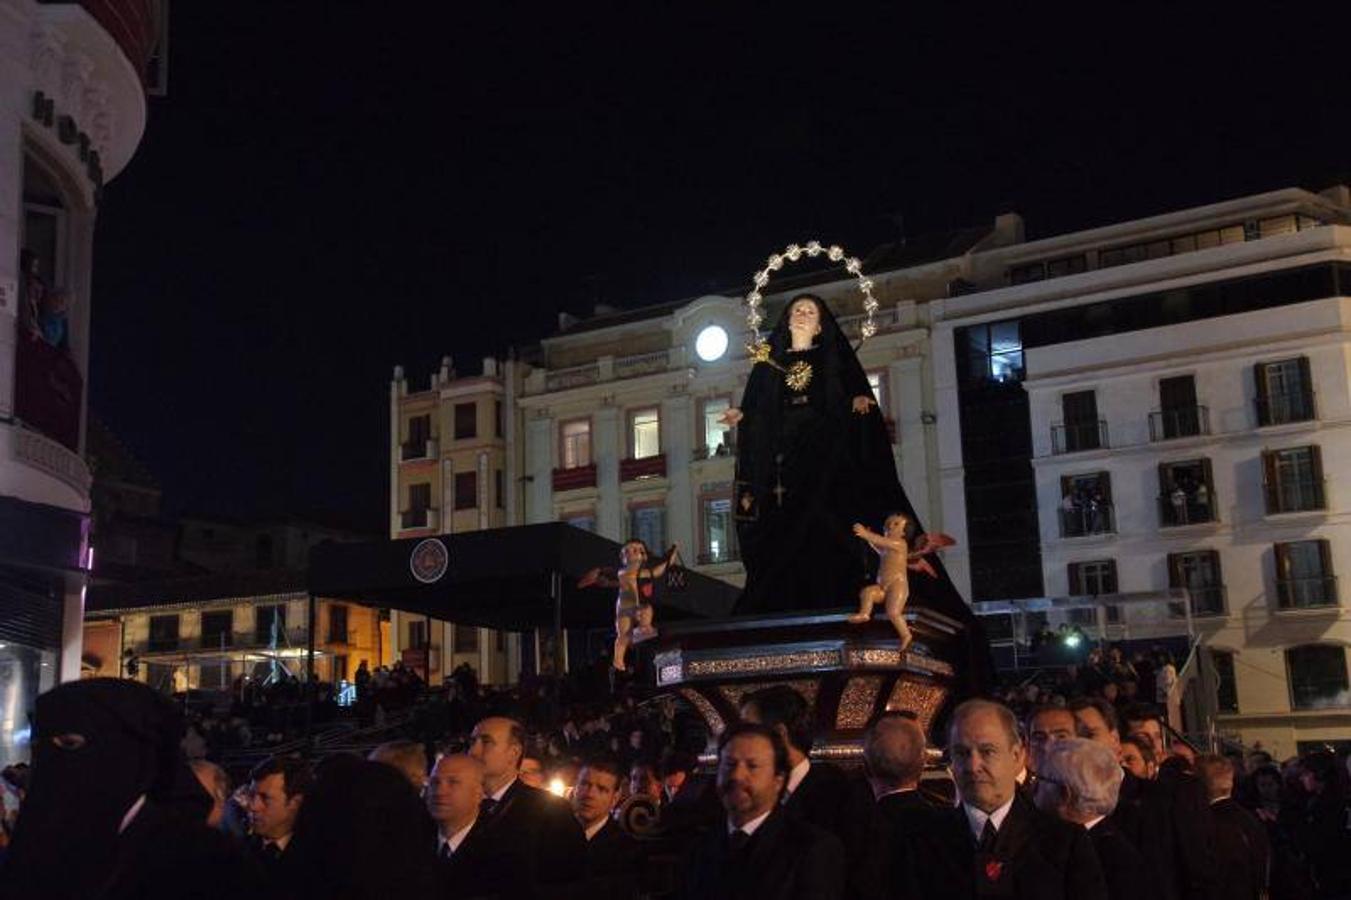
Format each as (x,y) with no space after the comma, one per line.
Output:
(456,839)
(795,777)
(977,819)
(750,826)
(498,794)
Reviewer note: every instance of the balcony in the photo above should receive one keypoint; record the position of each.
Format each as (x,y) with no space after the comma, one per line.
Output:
(1282,409)
(1188,509)
(722,451)
(575,478)
(1082,521)
(414,450)
(1079,436)
(647,467)
(1295,495)
(216,641)
(48,390)
(419,518)
(1205,601)
(1306,593)
(1186,421)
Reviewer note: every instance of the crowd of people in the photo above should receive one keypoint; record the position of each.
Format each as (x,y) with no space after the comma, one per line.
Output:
(1074,798)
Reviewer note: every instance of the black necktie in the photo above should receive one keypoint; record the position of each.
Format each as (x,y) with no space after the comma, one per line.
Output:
(446,852)
(738,840)
(487,806)
(988,835)
(271,850)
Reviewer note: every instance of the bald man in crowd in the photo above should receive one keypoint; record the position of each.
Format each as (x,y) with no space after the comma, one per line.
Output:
(894,751)
(408,757)
(1242,849)
(454,794)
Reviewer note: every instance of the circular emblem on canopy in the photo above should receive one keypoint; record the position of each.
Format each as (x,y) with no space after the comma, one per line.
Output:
(429,561)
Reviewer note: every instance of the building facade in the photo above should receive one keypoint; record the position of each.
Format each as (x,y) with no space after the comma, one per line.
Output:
(73,81)
(205,633)
(1163,404)
(450,473)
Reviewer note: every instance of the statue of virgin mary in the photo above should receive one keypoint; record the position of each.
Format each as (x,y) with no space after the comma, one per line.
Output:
(813,458)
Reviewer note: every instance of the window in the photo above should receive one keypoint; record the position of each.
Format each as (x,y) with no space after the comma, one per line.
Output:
(213,675)
(417,634)
(218,628)
(648,524)
(1304,575)
(576,439)
(466,639)
(1086,505)
(466,421)
(1186,493)
(498,429)
(163,633)
(994,352)
(1294,479)
(1082,429)
(1093,578)
(1199,573)
(340,667)
(1226,692)
(877,381)
(718,530)
(645,428)
(337,623)
(1178,415)
(499,494)
(1284,391)
(419,501)
(1317,676)
(717,434)
(269,625)
(419,430)
(583,520)
(466,490)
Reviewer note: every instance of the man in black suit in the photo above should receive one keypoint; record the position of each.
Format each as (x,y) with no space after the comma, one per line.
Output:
(893,756)
(996,842)
(531,841)
(1242,850)
(689,802)
(453,794)
(1187,813)
(818,792)
(1080,781)
(761,852)
(613,858)
(277,788)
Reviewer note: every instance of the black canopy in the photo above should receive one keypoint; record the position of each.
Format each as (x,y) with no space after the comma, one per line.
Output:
(503,578)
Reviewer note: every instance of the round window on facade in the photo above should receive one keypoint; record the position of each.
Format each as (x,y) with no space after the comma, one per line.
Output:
(711,343)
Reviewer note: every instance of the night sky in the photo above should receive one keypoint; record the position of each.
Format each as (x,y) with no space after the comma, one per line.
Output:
(328,191)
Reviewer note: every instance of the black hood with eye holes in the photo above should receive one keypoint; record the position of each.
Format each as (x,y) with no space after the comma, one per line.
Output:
(97,746)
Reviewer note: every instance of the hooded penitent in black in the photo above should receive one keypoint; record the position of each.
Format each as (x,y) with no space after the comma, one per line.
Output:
(99,746)
(808,468)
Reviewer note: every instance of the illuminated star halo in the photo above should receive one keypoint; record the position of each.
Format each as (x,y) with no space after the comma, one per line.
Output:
(795,252)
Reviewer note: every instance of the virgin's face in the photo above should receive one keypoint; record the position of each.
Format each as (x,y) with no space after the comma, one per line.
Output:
(804,317)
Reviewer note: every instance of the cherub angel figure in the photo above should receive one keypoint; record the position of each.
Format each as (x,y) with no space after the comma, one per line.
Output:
(633,604)
(897,559)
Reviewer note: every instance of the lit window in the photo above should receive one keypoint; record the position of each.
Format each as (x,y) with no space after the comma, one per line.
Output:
(577,444)
(646,433)
(718,529)
(717,433)
(877,383)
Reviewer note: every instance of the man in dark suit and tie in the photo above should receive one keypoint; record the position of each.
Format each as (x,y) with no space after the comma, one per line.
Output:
(277,788)
(996,842)
(613,858)
(893,756)
(818,792)
(761,851)
(532,842)
(1079,781)
(1242,849)
(453,794)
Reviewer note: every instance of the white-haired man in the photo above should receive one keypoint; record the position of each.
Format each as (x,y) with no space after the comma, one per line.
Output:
(1079,781)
